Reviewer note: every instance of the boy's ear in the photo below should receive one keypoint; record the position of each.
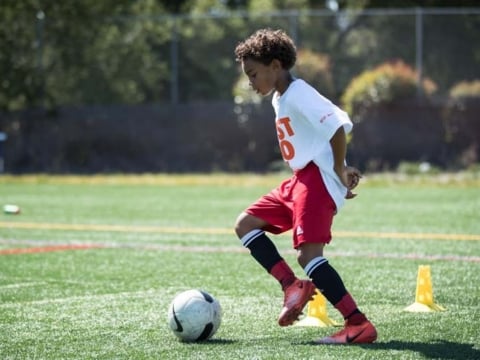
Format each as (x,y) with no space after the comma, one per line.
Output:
(276,64)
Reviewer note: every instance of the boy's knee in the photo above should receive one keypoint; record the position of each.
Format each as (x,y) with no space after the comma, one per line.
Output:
(246,223)
(241,225)
(308,251)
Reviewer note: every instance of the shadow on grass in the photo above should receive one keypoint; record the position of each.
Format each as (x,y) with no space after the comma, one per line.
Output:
(212,342)
(439,349)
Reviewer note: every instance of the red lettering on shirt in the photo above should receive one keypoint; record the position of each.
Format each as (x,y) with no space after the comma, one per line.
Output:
(284,131)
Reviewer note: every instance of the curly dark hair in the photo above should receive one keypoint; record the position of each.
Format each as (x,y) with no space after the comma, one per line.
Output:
(266,45)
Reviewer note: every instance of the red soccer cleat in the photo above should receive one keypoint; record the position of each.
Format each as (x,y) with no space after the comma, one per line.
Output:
(363,333)
(296,297)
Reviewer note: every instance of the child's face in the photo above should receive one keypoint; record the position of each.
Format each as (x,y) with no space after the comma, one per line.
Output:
(263,78)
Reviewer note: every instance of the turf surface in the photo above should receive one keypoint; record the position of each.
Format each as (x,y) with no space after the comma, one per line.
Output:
(89,267)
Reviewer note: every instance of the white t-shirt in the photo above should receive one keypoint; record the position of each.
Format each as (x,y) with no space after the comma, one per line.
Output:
(305,122)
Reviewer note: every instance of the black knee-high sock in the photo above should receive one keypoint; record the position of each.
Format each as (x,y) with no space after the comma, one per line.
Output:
(326,279)
(329,282)
(265,252)
(262,248)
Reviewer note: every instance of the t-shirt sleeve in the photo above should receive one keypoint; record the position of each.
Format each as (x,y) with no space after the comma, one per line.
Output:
(324,116)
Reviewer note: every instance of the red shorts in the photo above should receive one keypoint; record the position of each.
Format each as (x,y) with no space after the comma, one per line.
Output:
(301,203)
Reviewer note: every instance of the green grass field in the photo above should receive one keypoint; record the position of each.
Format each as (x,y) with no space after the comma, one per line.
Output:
(89,267)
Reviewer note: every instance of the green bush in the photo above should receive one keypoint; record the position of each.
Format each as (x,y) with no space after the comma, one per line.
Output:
(393,124)
(384,84)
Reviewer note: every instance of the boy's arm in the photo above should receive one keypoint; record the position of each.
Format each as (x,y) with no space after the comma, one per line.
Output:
(339,148)
(347,174)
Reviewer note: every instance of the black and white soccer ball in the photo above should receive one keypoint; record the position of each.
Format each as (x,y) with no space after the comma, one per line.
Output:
(194,315)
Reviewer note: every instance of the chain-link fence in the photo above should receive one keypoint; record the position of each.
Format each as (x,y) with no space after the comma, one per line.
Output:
(174,61)
(190,58)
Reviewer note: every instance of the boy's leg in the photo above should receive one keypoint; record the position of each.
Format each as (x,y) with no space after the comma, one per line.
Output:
(266,254)
(296,292)
(358,328)
(272,213)
(314,210)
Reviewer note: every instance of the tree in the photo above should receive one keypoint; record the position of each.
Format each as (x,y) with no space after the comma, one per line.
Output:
(51,54)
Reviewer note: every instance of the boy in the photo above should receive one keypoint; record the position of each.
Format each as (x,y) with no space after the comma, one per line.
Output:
(312,137)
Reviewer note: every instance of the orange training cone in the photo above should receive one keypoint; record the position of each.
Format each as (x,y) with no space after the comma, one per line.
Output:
(424,293)
(317,313)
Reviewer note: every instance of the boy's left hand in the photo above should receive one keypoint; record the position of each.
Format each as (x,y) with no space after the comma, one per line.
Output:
(350,177)
(353,177)
(350,195)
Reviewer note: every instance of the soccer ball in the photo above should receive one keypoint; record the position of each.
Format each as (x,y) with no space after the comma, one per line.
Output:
(194,315)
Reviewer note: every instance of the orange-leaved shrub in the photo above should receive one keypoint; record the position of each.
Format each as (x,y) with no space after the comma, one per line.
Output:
(385,83)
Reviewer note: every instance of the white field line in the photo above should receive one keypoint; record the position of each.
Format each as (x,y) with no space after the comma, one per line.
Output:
(239,249)
(226,231)
(22,285)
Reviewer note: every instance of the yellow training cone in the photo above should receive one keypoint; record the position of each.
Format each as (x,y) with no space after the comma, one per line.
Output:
(317,313)
(424,294)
